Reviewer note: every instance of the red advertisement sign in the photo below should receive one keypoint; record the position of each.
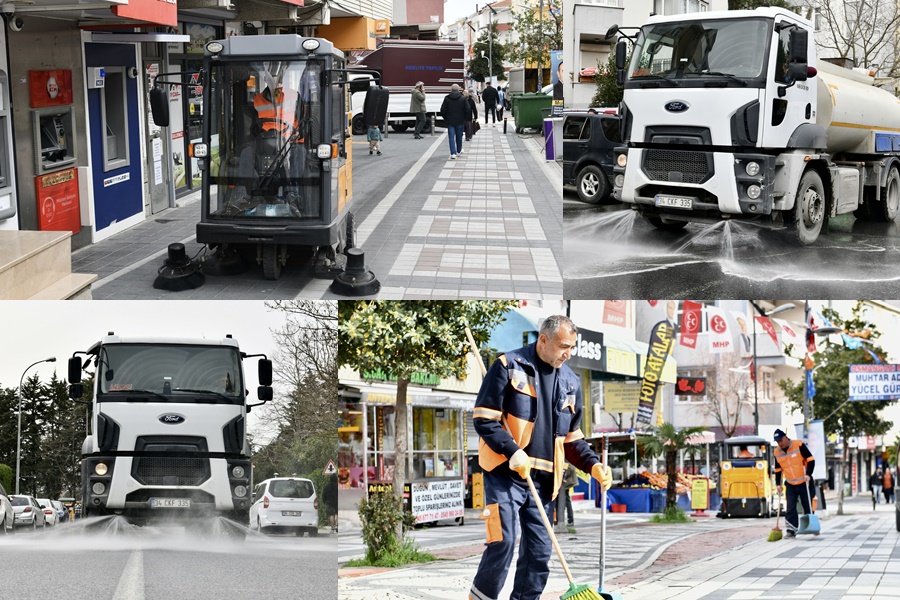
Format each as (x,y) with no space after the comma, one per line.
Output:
(294,2)
(614,313)
(58,204)
(50,88)
(161,12)
(690,323)
(769,328)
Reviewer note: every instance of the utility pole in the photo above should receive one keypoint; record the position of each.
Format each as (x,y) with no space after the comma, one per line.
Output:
(540,84)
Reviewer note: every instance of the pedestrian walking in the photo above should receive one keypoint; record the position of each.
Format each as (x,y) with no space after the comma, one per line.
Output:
(375,139)
(417,107)
(888,484)
(490,98)
(330,498)
(470,124)
(501,103)
(875,483)
(795,464)
(455,111)
(528,415)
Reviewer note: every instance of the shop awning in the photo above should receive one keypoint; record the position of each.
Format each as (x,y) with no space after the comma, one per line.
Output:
(386,394)
(704,437)
(136,37)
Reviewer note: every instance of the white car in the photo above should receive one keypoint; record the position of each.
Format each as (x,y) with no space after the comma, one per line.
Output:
(285,504)
(28,512)
(49,511)
(7,515)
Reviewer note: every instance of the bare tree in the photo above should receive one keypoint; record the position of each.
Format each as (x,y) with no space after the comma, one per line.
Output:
(726,389)
(863,31)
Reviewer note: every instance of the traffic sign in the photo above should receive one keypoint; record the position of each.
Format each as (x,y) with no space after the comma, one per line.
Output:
(330,469)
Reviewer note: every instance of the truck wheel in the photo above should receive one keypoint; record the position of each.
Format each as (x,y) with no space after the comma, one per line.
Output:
(667,226)
(592,184)
(270,262)
(359,125)
(809,208)
(885,210)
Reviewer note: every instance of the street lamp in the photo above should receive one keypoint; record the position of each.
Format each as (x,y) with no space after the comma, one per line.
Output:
(19,429)
(762,313)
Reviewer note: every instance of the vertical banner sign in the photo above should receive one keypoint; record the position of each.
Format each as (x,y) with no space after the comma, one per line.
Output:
(816,444)
(662,338)
(768,328)
(556,78)
(720,340)
(690,323)
(614,313)
(874,382)
(788,333)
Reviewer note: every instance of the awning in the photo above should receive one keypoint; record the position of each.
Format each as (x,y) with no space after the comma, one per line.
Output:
(136,37)
(704,437)
(386,394)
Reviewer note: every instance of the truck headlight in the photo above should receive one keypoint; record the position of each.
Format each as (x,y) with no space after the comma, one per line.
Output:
(237,472)
(620,180)
(622,160)
(726,466)
(323,151)
(240,491)
(98,488)
(101,469)
(752,169)
(760,465)
(754,191)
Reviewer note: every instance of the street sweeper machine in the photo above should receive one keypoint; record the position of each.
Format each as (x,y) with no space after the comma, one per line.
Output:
(275,155)
(167,433)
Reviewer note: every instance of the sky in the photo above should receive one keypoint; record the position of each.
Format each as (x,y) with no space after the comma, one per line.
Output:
(455,9)
(32,331)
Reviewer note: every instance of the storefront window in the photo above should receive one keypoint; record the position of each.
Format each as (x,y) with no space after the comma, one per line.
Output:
(350,445)
(437,445)
(380,443)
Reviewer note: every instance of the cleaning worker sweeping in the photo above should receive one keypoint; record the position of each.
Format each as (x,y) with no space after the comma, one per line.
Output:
(528,416)
(795,463)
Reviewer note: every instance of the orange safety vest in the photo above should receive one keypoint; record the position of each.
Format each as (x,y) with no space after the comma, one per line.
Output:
(888,480)
(279,113)
(792,463)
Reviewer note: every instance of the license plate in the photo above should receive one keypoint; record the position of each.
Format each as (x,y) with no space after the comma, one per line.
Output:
(674,201)
(170,503)
(291,513)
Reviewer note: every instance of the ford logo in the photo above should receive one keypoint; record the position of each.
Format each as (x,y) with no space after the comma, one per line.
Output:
(171,419)
(677,106)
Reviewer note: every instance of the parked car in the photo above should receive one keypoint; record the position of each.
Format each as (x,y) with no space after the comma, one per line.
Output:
(60,510)
(50,513)
(285,504)
(588,143)
(7,515)
(28,512)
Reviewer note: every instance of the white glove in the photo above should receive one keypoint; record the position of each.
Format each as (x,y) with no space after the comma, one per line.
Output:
(603,474)
(520,463)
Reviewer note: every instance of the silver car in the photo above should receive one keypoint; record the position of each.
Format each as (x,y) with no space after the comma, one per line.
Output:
(28,512)
(7,515)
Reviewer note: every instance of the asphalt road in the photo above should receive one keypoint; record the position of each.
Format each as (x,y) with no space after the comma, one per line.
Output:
(127,563)
(611,252)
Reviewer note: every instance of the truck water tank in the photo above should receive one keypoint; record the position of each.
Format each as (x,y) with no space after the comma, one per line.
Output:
(851,109)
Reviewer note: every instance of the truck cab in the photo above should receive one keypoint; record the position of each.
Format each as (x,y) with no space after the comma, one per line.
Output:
(167,428)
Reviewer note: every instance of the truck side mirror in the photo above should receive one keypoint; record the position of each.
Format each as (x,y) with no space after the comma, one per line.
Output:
(376,105)
(798,71)
(76,391)
(621,53)
(264,393)
(799,41)
(75,369)
(159,106)
(265,372)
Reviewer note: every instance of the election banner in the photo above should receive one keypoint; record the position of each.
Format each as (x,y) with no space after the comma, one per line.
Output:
(815,441)
(874,382)
(720,340)
(768,328)
(662,338)
(615,313)
(788,333)
(690,323)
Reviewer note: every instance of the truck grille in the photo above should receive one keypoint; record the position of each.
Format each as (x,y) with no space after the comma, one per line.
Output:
(666,165)
(171,460)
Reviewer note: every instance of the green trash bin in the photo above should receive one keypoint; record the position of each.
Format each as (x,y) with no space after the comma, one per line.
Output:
(513,101)
(528,111)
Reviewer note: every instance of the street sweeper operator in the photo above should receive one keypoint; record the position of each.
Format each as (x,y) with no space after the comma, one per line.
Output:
(528,416)
(794,462)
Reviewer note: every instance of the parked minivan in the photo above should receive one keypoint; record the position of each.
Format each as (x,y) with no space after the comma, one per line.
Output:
(285,504)
(588,143)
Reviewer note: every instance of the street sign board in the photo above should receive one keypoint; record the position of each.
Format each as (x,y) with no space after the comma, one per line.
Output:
(874,382)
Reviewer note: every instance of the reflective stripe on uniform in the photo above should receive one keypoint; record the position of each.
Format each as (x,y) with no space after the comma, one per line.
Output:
(482,412)
(792,464)
(575,435)
(542,465)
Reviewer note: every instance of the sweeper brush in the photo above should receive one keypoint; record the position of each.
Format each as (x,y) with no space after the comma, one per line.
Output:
(776,534)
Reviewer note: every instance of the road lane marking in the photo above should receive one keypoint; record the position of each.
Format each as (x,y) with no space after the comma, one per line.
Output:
(131,584)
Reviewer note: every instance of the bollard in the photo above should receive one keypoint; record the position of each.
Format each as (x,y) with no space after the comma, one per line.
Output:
(387,119)
(504,125)
(433,122)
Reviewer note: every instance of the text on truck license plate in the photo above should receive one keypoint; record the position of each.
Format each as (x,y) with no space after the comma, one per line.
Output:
(674,201)
(170,503)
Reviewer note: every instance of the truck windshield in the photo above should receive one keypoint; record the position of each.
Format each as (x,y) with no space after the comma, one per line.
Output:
(729,50)
(266,123)
(170,373)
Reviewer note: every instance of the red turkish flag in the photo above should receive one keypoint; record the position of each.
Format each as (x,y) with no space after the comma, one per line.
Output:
(767,325)
(690,323)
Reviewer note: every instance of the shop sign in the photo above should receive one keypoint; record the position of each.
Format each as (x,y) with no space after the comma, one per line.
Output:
(621,362)
(385,488)
(874,382)
(161,12)
(415,378)
(588,351)
(435,500)
(58,204)
(50,88)
(621,397)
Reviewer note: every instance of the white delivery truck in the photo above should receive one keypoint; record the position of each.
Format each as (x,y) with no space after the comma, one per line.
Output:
(168,428)
(730,115)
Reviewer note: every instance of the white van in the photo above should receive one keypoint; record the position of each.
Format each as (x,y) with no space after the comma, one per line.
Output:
(285,504)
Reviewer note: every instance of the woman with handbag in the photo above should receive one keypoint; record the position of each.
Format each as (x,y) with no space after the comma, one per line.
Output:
(470,126)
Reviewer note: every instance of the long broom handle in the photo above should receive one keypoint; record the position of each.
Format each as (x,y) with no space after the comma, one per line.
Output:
(778,518)
(603,517)
(537,500)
